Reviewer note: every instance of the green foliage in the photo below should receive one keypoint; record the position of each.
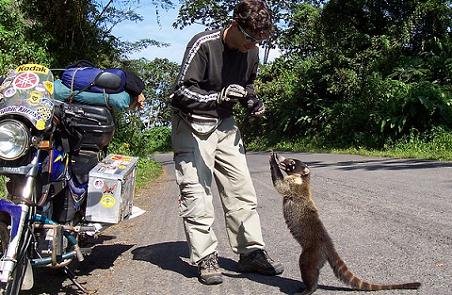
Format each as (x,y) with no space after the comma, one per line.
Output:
(131,138)
(357,74)
(159,76)
(17,39)
(158,139)
(148,170)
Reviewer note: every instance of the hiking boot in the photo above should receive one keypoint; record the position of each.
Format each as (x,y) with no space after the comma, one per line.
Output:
(258,261)
(209,271)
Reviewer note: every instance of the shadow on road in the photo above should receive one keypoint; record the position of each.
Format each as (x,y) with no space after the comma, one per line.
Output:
(285,285)
(171,256)
(168,256)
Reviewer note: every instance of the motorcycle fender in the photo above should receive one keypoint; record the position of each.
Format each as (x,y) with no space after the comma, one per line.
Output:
(14,211)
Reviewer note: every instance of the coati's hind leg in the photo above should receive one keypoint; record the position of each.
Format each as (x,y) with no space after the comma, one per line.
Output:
(311,262)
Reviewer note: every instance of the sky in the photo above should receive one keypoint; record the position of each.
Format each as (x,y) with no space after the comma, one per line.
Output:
(149,28)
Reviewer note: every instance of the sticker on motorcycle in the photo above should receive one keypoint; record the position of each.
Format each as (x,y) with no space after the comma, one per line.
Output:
(20,110)
(9,92)
(35,97)
(98,183)
(26,80)
(40,88)
(40,125)
(32,68)
(108,201)
(49,86)
(44,112)
(5,84)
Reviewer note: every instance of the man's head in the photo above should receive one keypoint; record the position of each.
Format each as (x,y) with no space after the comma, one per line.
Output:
(252,23)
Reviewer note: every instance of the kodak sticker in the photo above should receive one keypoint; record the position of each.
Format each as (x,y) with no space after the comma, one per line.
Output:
(35,97)
(32,68)
(26,80)
(108,201)
(49,86)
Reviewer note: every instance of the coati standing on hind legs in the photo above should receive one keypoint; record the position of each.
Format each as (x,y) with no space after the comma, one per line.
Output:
(303,221)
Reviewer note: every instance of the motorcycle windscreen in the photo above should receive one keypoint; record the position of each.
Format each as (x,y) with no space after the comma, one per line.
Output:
(28,91)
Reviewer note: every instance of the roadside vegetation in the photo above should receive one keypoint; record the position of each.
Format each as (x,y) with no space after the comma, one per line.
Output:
(369,77)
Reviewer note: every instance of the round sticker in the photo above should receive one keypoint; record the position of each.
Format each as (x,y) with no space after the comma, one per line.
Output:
(98,183)
(40,125)
(26,80)
(107,201)
(9,92)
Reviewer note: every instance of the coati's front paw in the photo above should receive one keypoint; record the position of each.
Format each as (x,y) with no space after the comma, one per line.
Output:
(273,161)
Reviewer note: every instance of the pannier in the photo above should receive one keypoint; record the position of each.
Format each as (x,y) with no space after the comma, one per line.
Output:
(94,124)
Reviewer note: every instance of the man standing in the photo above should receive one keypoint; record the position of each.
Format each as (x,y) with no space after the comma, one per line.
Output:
(217,71)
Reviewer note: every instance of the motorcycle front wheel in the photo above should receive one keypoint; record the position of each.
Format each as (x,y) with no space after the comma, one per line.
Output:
(14,285)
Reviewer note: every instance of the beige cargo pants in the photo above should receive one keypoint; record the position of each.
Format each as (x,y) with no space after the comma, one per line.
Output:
(199,159)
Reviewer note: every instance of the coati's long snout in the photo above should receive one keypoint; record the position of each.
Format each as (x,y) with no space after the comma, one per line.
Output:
(291,166)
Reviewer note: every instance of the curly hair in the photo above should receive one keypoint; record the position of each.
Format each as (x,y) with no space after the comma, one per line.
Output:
(254,15)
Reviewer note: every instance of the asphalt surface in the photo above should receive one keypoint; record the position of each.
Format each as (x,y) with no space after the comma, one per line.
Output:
(391,221)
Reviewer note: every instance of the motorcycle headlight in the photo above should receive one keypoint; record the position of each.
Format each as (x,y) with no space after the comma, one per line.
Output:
(14,139)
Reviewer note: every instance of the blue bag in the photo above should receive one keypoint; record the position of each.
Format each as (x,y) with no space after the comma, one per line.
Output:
(78,78)
(118,101)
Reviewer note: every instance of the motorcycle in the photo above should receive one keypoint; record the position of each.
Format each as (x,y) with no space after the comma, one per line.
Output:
(48,150)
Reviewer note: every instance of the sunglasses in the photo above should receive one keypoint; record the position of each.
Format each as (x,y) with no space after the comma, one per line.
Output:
(248,37)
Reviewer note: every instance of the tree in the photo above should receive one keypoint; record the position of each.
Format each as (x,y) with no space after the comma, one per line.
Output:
(17,43)
(360,72)
(81,29)
(216,14)
(159,76)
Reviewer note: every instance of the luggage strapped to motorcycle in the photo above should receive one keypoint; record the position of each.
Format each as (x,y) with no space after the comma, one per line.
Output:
(71,97)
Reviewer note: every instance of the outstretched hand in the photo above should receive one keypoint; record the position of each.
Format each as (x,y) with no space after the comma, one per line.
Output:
(138,102)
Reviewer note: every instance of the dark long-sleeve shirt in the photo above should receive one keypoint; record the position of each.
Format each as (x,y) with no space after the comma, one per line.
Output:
(208,66)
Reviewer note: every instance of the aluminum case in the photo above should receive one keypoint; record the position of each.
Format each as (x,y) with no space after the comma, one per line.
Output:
(111,189)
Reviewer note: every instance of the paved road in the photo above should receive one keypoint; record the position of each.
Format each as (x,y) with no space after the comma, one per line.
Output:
(391,221)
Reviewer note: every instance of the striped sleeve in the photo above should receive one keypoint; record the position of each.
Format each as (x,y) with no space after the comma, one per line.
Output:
(193,72)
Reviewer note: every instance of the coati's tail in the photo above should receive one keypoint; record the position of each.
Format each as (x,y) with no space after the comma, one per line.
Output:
(341,271)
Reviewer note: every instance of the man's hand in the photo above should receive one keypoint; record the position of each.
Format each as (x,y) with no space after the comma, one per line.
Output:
(255,107)
(232,93)
(138,102)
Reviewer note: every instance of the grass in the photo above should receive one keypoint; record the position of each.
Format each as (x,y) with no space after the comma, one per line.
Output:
(148,171)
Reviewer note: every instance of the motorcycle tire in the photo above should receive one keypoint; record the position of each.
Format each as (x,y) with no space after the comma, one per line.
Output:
(13,287)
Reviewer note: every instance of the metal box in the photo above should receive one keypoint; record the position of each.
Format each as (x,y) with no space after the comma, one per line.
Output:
(111,189)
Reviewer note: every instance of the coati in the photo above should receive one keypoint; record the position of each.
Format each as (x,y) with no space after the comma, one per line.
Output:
(303,221)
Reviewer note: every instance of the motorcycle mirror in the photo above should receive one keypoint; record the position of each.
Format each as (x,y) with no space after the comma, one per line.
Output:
(107,80)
